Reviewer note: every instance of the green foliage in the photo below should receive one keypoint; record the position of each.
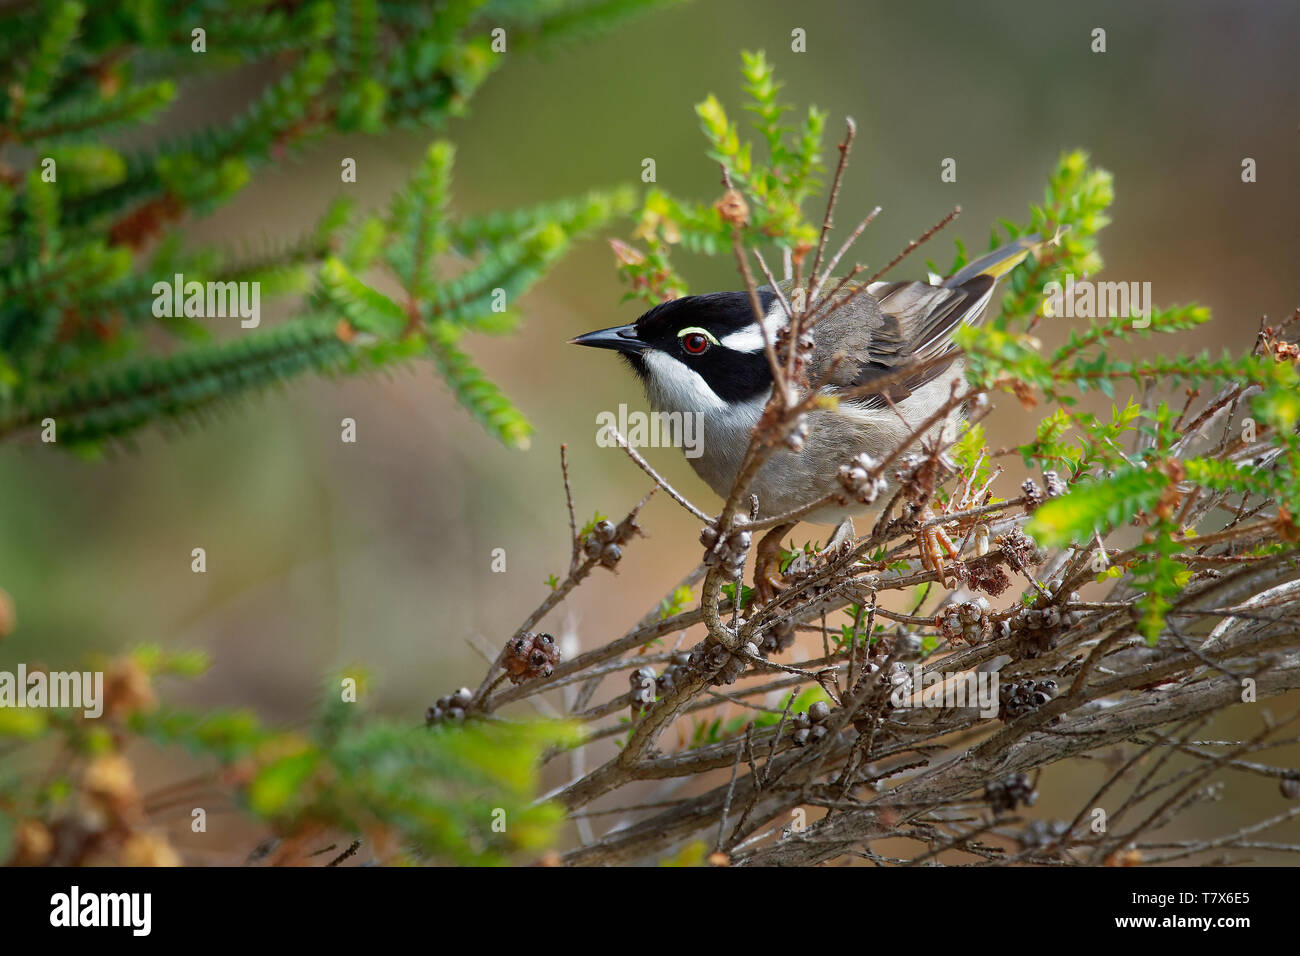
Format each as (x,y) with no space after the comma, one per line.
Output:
(1159,577)
(1094,506)
(1099,440)
(83,242)
(439,788)
(590,526)
(1112,486)
(473,390)
(435,795)
(774,189)
(1147,490)
(971,453)
(1128,467)
(675,603)
(693,854)
(746,594)
(713,731)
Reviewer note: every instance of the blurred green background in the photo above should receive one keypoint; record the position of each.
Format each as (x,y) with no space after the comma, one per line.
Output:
(322,553)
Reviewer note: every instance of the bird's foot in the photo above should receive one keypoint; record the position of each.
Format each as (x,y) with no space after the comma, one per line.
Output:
(935,547)
(768,580)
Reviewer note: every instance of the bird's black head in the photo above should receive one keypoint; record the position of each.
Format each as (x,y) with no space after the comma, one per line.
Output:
(695,352)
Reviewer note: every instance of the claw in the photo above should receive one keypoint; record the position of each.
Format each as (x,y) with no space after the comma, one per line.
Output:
(768,580)
(935,545)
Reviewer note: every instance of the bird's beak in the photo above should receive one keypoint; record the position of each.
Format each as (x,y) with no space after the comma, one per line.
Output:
(622,338)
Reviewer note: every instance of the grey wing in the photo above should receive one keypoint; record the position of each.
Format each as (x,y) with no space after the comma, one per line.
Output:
(891,325)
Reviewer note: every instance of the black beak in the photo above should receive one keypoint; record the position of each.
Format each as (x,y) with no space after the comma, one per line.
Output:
(622,338)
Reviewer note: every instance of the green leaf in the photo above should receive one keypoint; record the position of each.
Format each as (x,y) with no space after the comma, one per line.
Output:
(1097,505)
(676,602)
(418,220)
(22,723)
(52,47)
(365,308)
(692,854)
(1278,407)
(277,784)
(746,594)
(472,389)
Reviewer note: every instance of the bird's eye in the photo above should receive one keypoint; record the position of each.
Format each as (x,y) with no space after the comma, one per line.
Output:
(695,343)
(695,340)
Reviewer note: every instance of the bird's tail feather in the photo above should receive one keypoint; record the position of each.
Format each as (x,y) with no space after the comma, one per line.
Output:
(998,262)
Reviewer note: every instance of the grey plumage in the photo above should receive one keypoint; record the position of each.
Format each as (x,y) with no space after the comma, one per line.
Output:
(705,354)
(866,338)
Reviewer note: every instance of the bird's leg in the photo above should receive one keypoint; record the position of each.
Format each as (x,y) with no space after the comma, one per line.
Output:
(934,545)
(768,581)
(934,542)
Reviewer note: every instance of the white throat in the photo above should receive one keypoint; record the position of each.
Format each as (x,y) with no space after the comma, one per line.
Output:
(672,387)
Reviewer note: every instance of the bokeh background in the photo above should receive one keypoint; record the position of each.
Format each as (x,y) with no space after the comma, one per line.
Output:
(322,553)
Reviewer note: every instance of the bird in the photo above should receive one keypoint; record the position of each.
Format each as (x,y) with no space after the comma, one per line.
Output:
(706,354)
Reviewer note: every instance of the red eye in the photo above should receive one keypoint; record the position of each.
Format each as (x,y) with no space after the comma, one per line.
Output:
(694,343)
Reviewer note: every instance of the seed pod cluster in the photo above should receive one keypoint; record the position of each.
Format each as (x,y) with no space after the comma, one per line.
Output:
(1054,484)
(1025,696)
(529,656)
(987,577)
(805,573)
(906,645)
(729,550)
(1020,549)
(1041,624)
(717,663)
(735,665)
(919,478)
(666,682)
(1010,792)
(886,678)
(897,678)
(602,544)
(644,684)
(780,637)
(450,708)
(804,346)
(1033,495)
(1069,618)
(798,434)
(856,477)
(812,726)
(967,621)
(1042,833)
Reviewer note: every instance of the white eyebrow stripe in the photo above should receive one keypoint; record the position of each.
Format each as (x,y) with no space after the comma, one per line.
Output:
(750,338)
